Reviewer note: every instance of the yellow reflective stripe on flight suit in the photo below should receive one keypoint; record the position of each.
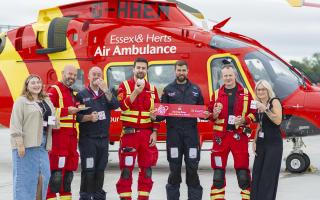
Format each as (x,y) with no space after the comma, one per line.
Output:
(218,128)
(66,197)
(126,85)
(66,125)
(220,196)
(219,121)
(125,194)
(245,103)
(145,121)
(142,193)
(252,117)
(70,117)
(216,191)
(61,105)
(129,112)
(216,93)
(245,196)
(129,119)
(153,96)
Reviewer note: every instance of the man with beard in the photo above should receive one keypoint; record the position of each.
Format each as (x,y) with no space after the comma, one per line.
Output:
(96,101)
(182,135)
(139,135)
(63,156)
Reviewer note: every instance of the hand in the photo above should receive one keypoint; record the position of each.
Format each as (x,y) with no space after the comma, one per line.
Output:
(21,151)
(217,108)
(94,116)
(206,114)
(153,139)
(139,86)
(239,121)
(102,85)
(153,115)
(254,148)
(73,110)
(261,107)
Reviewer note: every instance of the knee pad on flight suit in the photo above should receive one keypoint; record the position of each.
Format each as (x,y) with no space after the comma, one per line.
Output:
(148,172)
(55,181)
(68,177)
(126,173)
(219,178)
(175,174)
(192,178)
(243,178)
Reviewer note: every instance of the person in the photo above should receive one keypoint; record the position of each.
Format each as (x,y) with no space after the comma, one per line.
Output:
(267,144)
(231,112)
(63,156)
(182,135)
(31,139)
(94,120)
(139,135)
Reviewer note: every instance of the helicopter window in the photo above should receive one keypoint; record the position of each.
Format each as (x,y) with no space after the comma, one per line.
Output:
(79,83)
(117,74)
(221,42)
(161,75)
(264,66)
(216,66)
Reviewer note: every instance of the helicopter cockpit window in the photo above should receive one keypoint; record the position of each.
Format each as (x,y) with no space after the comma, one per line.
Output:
(116,75)
(221,42)
(264,66)
(216,66)
(160,76)
(79,83)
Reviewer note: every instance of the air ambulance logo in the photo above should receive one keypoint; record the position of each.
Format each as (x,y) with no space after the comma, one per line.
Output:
(162,110)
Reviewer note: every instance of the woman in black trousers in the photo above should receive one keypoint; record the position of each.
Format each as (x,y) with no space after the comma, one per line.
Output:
(267,144)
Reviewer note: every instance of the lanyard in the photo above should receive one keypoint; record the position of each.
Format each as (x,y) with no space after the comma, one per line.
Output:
(94,94)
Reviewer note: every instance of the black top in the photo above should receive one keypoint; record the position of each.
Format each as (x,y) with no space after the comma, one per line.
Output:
(231,101)
(100,104)
(187,93)
(272,133)
(46,111)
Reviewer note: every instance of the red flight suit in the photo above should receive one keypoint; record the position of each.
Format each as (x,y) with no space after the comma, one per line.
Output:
(231,140)
(136,116)
(63,156)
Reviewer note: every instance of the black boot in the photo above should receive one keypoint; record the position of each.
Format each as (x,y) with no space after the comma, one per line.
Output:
(195,193)
(100,195)
(173,192)
(86,196)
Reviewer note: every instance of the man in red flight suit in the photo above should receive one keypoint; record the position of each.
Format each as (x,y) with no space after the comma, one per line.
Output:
(63,156)
(231,112)
(139,136)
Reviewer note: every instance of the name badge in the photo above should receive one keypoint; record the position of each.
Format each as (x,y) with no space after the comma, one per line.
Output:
(52,120)
(231,119)
(44,123)
(253,104)
(101,115)
(261,134)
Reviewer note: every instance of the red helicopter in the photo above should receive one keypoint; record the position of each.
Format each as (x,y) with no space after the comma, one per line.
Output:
(112,33)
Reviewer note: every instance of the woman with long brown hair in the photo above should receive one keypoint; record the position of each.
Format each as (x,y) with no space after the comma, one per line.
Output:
(32,119)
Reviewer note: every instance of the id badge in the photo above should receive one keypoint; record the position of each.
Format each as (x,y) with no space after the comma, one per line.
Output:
(231,119)
(44,123)
(261,134)
(101,115)
(52,120)
(253,104)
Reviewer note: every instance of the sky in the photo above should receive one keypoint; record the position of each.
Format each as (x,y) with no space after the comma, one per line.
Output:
(292,33)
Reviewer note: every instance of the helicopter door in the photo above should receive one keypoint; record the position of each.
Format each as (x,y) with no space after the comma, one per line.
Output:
(214,67)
